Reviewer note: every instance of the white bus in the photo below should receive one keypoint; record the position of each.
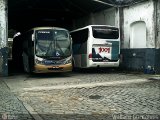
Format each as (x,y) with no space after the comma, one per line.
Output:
(96,46)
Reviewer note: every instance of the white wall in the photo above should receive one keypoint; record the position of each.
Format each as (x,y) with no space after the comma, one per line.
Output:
(3,38)
(3,24)
(138,35)
(140,12)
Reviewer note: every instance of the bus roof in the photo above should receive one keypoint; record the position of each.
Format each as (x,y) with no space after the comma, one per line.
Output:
(40,28)
(88,26)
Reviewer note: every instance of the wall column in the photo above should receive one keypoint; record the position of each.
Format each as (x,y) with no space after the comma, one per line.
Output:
(3,38)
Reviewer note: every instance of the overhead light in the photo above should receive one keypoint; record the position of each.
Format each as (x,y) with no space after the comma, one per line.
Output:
(17,34)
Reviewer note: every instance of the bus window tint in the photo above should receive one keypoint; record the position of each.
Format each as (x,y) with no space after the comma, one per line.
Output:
(43,41)
(105,32)
(80,36)
(52,43)
(63,43)
(61,35)
(80,41)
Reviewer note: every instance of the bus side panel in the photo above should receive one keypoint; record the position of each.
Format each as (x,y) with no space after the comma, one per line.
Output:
(84,60)
(28,52)
(77,60)
(80,47)
(76,55)
(26,62)
(89,50)
(83,52)
(17,50)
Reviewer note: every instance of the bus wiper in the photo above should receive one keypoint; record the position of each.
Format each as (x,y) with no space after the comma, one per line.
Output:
(49,47)
(57,45)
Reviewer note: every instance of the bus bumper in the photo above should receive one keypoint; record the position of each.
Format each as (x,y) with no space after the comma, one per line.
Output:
(103,64)
(47,69)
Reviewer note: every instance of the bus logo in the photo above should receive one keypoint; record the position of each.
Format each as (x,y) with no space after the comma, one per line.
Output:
(107,50)
(57,53)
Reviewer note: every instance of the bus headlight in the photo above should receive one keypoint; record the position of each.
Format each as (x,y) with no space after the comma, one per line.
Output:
(39,61)
(68,61)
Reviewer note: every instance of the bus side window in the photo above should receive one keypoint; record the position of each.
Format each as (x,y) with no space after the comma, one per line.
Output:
(80,41)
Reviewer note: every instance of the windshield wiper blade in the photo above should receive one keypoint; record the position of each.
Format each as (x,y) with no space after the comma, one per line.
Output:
(49,47)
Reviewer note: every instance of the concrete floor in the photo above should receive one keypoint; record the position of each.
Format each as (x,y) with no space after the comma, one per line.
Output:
(88,95)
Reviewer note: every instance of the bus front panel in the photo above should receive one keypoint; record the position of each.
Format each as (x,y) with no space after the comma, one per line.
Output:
(52,51)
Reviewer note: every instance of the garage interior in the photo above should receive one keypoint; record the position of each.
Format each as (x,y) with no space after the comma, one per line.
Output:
(26,14)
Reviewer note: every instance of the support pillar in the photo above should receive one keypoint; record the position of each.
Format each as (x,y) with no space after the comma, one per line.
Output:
(3,38)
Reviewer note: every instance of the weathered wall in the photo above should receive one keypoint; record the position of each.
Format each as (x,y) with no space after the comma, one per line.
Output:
(139,12)
(3,38)
(106,17)
(140,58)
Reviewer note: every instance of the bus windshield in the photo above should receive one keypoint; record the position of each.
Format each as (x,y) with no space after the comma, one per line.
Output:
(104,32)
(52,43)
